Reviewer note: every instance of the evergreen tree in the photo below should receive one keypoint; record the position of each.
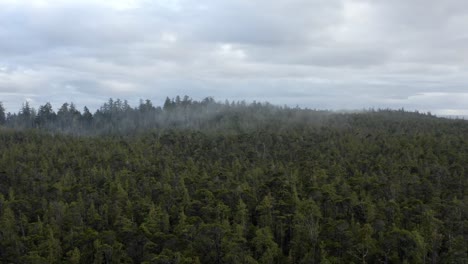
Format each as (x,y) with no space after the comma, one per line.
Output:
(2,114)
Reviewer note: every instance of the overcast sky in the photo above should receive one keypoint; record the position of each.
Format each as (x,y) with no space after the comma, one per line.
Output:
(333,54)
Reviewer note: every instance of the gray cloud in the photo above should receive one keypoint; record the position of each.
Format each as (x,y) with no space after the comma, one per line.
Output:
(321,54)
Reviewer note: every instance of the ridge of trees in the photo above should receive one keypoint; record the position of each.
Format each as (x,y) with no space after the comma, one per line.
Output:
(117,117)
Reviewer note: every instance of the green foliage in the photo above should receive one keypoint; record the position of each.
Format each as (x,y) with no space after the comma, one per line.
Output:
(2,114)
(205,182)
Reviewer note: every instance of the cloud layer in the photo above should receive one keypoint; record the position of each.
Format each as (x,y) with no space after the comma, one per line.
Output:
(335,54)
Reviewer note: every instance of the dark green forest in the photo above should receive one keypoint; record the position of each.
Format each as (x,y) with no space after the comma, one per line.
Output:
(232,182)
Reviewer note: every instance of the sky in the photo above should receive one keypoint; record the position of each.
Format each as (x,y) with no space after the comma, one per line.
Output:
(327,54)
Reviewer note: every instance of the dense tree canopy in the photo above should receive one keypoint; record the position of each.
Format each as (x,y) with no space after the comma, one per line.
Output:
(208,182)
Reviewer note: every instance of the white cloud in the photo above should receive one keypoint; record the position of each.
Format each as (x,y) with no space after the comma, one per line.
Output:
(169,37)
(357,25)
(333,54)
(227,51)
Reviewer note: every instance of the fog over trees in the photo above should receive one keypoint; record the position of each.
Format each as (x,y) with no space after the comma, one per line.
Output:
(117,117)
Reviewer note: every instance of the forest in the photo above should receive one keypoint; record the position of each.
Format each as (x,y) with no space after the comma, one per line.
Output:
(231,182)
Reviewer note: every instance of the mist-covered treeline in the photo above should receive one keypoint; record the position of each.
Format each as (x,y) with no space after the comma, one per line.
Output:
(117,117)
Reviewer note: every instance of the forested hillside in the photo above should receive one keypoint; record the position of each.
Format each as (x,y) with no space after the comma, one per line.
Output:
(208,182)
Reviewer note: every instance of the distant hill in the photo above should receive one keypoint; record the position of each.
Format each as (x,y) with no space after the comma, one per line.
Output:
(117,117)
(463,117)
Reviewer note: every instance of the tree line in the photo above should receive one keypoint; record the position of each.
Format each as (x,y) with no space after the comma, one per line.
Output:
(117,117)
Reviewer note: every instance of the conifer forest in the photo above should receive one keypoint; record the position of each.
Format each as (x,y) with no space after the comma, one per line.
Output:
(231,182)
